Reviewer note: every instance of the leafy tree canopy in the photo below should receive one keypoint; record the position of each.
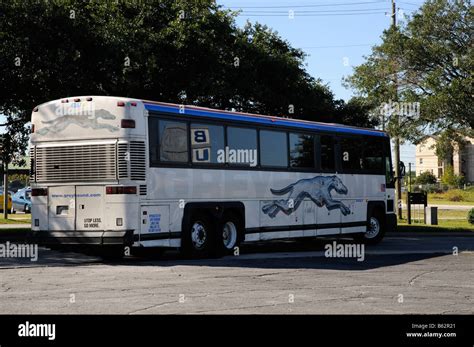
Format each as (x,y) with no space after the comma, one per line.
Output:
(422,72)
(176,51)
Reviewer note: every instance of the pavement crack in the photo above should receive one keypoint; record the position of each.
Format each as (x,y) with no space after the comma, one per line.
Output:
(414,278)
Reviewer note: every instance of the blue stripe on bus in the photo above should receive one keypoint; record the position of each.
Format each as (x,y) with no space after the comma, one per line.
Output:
(267,121)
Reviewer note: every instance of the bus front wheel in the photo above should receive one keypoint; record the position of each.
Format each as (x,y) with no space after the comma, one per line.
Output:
(375,229)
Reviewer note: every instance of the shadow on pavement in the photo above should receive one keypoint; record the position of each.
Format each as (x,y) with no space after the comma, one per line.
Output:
(287,254)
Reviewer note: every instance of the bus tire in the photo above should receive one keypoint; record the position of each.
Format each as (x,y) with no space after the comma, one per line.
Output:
(229,233)
(375,229)
(199,239)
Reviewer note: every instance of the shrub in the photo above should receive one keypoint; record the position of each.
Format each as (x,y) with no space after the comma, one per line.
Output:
(449,178)
(470,216)
(426,178)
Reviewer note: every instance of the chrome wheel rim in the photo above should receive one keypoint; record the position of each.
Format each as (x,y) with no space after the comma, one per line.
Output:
(198,235)
(229,235)
(374,228)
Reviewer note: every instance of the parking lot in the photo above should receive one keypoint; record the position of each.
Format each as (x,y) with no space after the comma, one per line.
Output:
(407,273)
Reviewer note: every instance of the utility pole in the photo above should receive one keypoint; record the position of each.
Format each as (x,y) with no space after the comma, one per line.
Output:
(398,179)
(409,177)
(4,168)
(5,190)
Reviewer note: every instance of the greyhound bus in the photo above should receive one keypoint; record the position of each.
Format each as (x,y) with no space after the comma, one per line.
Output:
(119,172)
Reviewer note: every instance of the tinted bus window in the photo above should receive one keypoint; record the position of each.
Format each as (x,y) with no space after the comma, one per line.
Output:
(273,148)
(153,140)
(242,146)
(173,137)
(206,142)
(327,152)
(301,151)
(351,153)
(373,155)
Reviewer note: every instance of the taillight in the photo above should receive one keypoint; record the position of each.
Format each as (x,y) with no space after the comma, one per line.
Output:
(121,190)
(127,123)
(120,103)
(32,128)
(39,192)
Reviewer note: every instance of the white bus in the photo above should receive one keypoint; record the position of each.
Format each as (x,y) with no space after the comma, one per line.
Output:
(120,172)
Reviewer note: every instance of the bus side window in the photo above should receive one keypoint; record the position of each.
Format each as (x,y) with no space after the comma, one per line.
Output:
(373,155)
(273,148)
(173,137)
(301,151)
(207,141)
(327,152)
(153,140)
(242,143)
(351,153)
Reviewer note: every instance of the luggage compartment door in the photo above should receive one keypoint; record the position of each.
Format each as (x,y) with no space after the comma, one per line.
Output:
(155,220)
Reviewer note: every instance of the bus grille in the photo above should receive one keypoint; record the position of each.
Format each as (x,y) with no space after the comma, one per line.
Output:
(93,162)
(132,160)
(32,164)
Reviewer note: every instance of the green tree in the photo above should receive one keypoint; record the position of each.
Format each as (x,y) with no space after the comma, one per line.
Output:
(426,178)
(428,60)
(446,143)
(176,51)
(450,179)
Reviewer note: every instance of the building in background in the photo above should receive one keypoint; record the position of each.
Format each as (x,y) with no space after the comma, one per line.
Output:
(427,160)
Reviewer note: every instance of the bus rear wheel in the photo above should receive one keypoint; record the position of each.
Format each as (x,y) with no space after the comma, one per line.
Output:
(229,233)
(375,229)
(199,238)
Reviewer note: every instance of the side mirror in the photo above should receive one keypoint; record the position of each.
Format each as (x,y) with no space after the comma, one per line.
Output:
(402,169)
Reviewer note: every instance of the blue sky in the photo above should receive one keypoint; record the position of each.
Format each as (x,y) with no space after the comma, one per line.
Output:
(335,34)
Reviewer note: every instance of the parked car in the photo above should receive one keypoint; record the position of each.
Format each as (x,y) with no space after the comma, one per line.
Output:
(15,186)
(9,206)
(22,200)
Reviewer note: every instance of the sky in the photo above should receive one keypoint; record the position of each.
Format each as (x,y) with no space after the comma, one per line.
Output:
(335,34)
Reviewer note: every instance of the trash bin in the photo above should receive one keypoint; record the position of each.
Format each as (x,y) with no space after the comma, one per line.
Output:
(431,215)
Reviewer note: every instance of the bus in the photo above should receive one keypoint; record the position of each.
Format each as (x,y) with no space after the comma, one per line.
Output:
(120,173)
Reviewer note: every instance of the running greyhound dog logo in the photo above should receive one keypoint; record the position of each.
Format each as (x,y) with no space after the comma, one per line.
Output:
(318,189)
(84,121)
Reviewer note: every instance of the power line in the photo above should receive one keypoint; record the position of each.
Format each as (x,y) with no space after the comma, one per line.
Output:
(317,11)
(314,5)
(312,15)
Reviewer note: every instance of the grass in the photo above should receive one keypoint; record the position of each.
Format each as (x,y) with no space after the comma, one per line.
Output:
(450,197)
(442,214)
(449,225)
(16,219)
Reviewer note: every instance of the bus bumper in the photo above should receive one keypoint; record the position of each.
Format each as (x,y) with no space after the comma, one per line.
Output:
(391,222)
(99,237)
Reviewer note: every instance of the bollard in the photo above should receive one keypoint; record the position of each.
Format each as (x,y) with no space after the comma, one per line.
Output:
(431,215)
